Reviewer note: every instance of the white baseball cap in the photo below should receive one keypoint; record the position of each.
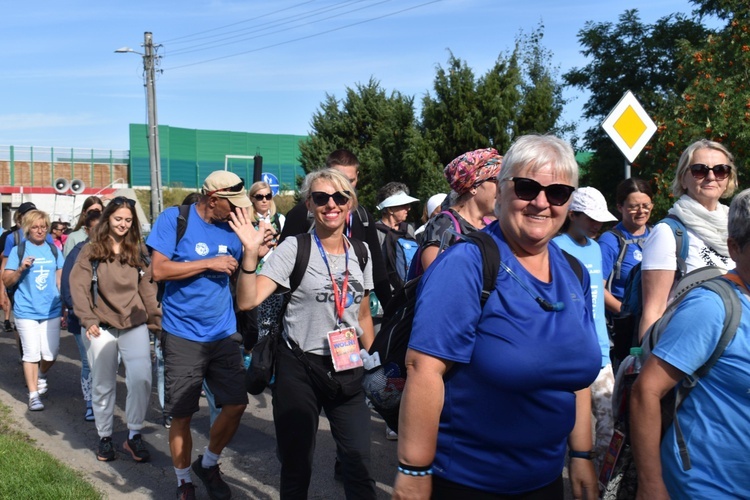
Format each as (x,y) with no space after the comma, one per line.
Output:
(435,201)
(591,202)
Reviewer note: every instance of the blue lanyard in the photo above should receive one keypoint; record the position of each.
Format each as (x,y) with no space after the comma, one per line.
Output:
(339,295)
(349,226)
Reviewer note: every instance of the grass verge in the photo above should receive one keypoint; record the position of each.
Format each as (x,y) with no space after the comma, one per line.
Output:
(27,472)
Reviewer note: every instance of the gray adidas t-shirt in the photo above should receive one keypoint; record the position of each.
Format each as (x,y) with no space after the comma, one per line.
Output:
(311,312)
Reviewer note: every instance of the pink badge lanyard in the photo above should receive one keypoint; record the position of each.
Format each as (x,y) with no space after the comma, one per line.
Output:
(339,294)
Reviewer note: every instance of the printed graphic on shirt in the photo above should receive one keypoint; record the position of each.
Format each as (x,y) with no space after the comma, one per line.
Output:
(41,270)
(201,249)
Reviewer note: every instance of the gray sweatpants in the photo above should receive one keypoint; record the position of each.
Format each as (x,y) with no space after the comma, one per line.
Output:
(133,347)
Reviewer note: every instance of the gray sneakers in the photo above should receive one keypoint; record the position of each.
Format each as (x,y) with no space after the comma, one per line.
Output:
(35,403)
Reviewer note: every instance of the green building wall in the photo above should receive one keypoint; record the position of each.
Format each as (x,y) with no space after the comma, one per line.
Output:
(189,155)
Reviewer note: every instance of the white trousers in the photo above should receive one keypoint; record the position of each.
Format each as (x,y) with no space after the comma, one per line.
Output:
(40,339)
(133,347)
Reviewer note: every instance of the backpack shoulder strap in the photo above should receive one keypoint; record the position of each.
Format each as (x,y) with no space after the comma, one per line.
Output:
(725,288)
(300,261)
(681,240)
(574,264)
(53,248)
(17,236)
(452,217)
(20,250)
(360,251)
(623,246)
(490,262)
(362,213)
(182,219)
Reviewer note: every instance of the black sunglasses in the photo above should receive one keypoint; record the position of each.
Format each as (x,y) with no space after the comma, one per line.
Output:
(261,197)
(700,171)
(232,189)
(339,197)
(121,200)
(528,190)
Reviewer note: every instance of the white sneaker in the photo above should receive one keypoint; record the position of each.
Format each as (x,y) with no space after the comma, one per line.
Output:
(390,435)
(41,386)
(35,404)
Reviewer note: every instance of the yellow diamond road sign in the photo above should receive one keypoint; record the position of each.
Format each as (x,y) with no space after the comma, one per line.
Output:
(629,126)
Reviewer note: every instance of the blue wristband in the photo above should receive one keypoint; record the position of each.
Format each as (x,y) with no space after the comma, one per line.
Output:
(411,470)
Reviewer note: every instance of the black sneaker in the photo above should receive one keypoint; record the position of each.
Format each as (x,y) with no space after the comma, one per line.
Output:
(106,451)
(137,449)
(186,491)
(215,486)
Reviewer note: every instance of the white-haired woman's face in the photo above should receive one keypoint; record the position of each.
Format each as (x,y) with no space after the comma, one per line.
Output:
(708,189)
(531,224)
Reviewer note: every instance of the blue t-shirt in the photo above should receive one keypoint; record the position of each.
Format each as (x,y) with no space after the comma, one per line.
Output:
(37,296)
(715,417)
(591,256)
(509,399)
(610,247)
(10,242)
(198,308)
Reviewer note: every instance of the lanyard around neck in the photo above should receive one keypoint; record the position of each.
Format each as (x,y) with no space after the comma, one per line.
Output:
(339,294)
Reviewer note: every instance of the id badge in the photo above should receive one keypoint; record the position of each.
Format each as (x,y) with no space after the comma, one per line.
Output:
(345,349)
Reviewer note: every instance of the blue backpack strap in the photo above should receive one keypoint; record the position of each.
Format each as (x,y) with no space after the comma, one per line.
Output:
(679,230)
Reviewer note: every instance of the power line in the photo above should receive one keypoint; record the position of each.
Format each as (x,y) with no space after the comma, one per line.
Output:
(268,26)
(306,37)
(236,23)
(280,23)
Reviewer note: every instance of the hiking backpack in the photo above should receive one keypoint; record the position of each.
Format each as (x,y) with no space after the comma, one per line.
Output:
(399,249)
(623,243)
(384,384)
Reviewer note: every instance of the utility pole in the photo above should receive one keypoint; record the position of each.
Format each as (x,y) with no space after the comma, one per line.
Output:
(149,68)
(150,60)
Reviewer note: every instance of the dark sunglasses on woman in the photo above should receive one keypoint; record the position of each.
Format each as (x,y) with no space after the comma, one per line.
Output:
(261,197)
(528,190)
(339,197)
(700,171)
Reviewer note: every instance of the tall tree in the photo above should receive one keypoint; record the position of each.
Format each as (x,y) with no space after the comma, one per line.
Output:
(379,128)
(628,55)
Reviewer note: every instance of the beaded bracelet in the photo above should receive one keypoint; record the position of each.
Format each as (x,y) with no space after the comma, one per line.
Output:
(412,470)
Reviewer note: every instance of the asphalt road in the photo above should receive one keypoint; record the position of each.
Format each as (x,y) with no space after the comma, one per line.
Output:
(249,463)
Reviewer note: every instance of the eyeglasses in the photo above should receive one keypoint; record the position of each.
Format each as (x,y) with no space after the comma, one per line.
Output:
(261,197)
(700,171)
(232,189)
(528,190)
(121,200)
(339,197)
(646,207)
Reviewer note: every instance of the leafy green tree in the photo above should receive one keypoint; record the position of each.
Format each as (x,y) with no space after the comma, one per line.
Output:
(627,55)
(714,101)
(380,129)
(520,94)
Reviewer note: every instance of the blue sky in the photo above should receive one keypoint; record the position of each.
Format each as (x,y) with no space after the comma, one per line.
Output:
(62,85)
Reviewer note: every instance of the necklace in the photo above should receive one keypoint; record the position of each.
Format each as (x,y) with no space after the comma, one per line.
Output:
(335,261)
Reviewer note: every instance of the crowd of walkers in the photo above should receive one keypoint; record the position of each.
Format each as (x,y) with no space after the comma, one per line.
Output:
(505,386)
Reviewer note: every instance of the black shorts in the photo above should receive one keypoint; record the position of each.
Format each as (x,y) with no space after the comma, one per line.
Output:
(187,363)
